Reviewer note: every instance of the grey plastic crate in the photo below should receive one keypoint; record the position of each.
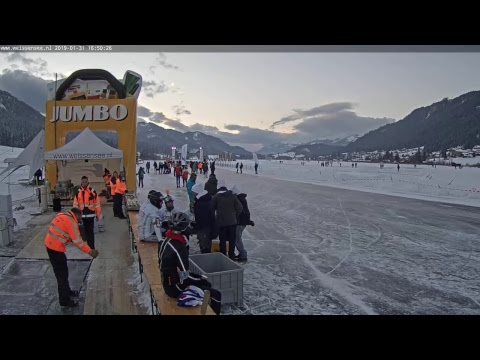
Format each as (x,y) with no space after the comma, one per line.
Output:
(224,274)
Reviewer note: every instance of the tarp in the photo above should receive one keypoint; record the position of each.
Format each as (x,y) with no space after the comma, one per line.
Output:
(31,156)
(85,146)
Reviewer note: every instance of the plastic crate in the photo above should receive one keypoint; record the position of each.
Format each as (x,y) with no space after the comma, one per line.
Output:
(224,274)
(216,246)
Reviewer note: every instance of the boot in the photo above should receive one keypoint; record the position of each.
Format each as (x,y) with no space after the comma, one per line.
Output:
(74,293)
(69,303)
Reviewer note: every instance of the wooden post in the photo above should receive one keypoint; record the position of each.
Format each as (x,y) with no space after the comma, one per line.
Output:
(206,300)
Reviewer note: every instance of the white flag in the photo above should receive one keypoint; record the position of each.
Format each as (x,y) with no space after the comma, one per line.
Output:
(184,155)
(255,158)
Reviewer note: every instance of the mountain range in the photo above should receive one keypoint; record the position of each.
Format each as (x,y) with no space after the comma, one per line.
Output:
(19,123)
(446,123)
(443,124)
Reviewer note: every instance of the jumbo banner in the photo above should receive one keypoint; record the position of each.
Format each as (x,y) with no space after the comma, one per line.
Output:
(93,89)
(119,115)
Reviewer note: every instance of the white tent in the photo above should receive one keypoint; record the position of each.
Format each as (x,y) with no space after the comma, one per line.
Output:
(31,156)
(86,155)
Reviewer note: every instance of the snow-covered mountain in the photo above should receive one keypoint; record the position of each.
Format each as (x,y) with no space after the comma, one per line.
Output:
(338,141)
(277,148)
(285,147)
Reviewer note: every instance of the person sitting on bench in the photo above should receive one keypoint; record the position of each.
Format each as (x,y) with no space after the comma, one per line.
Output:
(174,263)
(148,214)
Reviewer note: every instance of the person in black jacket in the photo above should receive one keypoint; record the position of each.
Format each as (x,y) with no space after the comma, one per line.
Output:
(243,221)
(211,184)
(205,224)
(174,264)
(227,210)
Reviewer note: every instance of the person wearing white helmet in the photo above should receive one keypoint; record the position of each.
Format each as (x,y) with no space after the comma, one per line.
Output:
(148,214)
(173,262)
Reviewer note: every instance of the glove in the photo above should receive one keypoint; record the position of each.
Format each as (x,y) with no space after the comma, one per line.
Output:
(182,275)
(252,223)
(165,225)
(93,253)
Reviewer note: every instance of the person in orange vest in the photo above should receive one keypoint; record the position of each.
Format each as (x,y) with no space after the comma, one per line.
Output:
(107,177)
(113,182)
(88,202)
(62,230)
(120,189)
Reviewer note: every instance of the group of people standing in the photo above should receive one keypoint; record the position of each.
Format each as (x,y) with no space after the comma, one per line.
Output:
(219,212)
(116,189)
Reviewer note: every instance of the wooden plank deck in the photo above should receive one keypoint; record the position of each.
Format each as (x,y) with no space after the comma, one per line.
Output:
(35,249)
(148,257)
(108,284)
(166,302)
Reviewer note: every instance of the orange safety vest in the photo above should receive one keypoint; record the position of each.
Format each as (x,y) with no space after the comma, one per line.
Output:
(88,201)
(121,187)
(113,187)
(62,230)
(107,178)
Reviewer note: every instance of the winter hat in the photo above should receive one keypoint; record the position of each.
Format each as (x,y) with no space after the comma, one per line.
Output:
(221,183)
(236,190)
(197,188)
(200,190)
(191,296)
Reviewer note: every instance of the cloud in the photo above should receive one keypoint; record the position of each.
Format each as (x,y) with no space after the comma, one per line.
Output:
(147,114)
(324,109)
(143,111)
(26,87)
(161,62)
(206,129)
(152,88)
(332,120)
(37,66)
(158,117)
(181,110)
(339,125)
(176,125)
(327,121)
(249,135)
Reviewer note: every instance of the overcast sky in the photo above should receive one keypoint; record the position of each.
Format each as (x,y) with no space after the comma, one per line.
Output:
(255,99)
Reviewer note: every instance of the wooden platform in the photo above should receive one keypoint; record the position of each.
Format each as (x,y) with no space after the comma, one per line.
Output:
(110,290)
(148,267)
(35,249)
(166,302)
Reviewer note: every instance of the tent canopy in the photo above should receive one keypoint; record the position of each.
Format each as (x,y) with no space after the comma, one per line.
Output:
(85,146)
(32,156)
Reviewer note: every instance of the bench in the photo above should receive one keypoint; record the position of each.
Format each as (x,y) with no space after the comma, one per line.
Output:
(148,265)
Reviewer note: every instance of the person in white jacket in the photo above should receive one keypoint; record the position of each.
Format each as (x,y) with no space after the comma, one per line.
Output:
(167,212)
(148,215)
